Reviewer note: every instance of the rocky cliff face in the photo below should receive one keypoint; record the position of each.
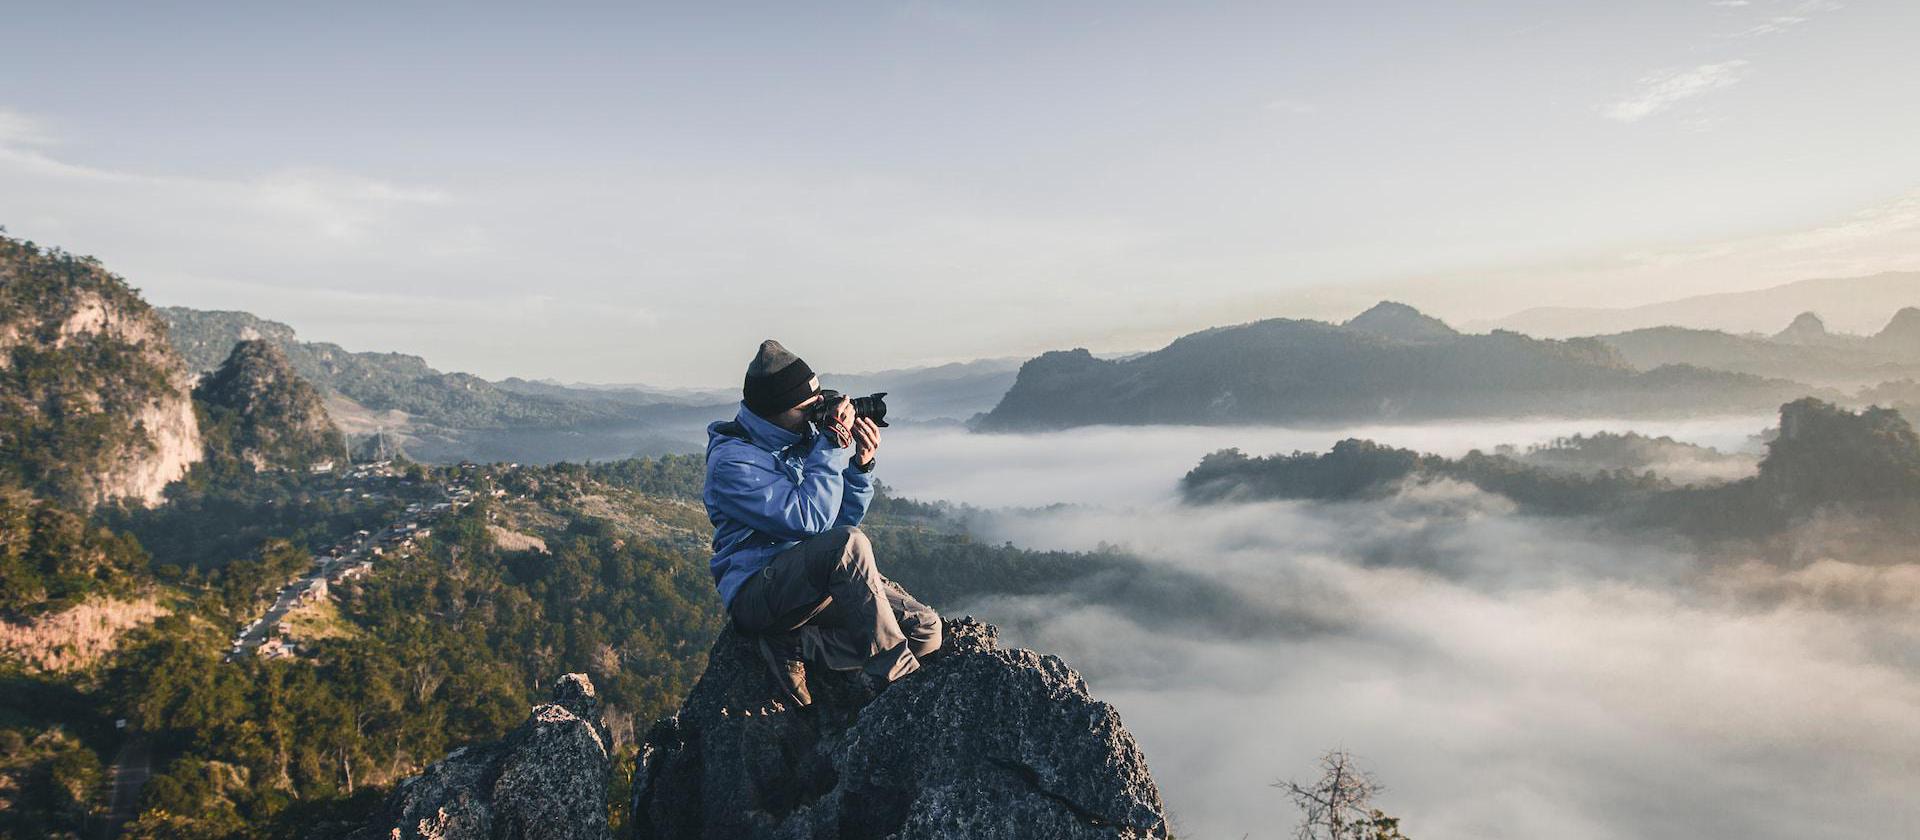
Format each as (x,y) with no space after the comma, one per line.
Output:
(546,779)
(981,743)
(265,414)
(94,403)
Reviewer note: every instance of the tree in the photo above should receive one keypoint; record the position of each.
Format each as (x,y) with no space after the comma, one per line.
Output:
(1339,806)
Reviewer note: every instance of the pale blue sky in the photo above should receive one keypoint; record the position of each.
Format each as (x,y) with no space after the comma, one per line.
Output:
(642,193)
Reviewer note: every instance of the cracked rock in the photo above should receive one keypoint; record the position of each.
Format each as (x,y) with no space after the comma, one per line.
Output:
(980,743)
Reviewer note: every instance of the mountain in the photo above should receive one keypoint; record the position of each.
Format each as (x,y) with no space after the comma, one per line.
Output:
(1831,364)
(1850,304)
(375,381)
(982,742)
(262,413)
(1280,370)
(1807,328)
(1902,334)
(948,392)
(94,402)
(1805,351)
(1400,322)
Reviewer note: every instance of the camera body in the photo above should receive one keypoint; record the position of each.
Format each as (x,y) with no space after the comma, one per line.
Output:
(873,407)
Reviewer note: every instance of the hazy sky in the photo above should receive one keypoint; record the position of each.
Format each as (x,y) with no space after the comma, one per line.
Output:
(641,194)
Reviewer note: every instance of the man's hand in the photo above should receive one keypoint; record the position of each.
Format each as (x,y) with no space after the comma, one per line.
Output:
(867,435)
(841,427)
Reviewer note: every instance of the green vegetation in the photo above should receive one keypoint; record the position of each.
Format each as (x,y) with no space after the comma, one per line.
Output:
(449,645)
(52,558)
(256,410)
(51,740)
(223,511)
(676,476)
(1360,469)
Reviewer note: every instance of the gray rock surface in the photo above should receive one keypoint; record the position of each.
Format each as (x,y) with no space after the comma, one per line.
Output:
(980,743)
(546,779)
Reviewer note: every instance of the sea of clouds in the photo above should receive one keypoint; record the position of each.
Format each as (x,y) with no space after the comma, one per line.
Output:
(1504,676)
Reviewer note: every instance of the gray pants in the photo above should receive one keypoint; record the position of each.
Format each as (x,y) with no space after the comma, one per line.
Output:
(828,592)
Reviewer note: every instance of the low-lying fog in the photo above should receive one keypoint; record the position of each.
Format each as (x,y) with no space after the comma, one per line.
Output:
(1142,464)
(1503,676)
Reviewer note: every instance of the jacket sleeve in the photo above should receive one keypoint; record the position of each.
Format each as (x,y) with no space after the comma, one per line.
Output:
(856,497)
(748,485)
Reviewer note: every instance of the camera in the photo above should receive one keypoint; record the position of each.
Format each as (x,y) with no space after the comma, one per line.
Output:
(873,407)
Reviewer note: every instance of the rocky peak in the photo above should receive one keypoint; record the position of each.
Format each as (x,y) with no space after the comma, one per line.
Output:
(1400,322)
(265,414)
(88,381)
(1807,328)
(980,743)
(1903,332)
(547,780)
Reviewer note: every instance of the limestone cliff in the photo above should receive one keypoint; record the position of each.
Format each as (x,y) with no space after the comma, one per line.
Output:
(94,403)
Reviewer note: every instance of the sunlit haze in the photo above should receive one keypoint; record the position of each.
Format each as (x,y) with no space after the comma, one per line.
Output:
(639,194)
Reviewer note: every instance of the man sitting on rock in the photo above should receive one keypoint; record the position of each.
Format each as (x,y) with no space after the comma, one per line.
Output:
(789,558)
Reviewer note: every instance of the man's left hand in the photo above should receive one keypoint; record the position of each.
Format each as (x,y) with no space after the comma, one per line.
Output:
(866,439)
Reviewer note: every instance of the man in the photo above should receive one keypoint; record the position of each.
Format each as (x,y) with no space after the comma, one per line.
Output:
(791,563)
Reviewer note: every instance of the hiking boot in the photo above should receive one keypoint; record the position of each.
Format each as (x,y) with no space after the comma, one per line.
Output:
(789,670)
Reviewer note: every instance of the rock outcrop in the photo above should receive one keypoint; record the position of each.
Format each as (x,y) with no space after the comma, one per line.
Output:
(1807,328)
(94,402)
(546,779)
(981,743)
(262,413)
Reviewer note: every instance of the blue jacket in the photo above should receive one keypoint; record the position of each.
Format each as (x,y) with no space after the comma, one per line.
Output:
(771,489)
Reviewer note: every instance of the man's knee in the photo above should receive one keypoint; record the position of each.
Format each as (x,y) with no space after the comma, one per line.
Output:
(845,550)
(855,548)
(926,636)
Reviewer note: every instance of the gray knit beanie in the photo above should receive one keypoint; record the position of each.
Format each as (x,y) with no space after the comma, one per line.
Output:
(776,380)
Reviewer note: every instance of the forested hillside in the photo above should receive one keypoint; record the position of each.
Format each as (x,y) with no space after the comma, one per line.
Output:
(1831,477)
(257,410)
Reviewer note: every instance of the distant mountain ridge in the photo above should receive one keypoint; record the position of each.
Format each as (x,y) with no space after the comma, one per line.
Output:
(378,381)
(1805,350)
(1849,304)
(1390,362)
(442,416)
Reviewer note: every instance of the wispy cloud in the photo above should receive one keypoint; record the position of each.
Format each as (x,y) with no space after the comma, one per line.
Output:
(1658,92)
(1775,24)
(18,129)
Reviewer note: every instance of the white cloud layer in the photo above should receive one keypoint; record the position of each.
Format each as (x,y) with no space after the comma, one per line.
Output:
(1505,677)
(1661,91)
